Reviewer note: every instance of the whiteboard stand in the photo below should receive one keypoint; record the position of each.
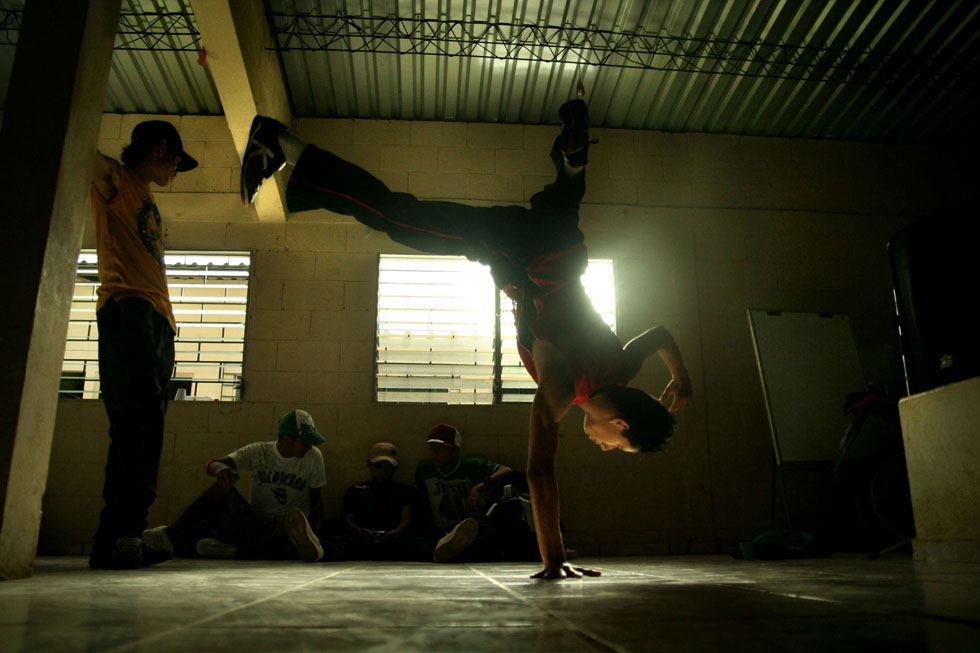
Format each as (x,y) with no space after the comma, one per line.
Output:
(807,363)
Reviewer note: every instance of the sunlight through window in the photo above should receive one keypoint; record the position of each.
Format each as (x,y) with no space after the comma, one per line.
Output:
(438,331)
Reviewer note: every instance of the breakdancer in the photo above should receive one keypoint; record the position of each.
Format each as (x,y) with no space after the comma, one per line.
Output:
(536,255)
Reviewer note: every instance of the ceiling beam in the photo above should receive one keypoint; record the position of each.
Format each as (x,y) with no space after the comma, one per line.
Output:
(248,77)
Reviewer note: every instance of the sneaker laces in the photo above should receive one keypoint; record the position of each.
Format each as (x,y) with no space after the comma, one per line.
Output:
(127,544)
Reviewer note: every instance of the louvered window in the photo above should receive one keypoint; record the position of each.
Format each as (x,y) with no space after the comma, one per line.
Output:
(209,293)
(446,335)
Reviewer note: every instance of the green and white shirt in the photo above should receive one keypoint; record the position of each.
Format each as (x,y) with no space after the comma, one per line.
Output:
(446,493)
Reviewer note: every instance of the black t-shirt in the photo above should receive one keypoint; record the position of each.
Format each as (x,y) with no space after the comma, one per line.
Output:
(375,506)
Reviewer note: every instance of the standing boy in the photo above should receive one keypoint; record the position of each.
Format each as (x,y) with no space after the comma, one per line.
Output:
(136,332)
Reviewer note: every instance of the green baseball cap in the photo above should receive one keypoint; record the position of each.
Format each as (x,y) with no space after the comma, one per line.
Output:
(299,424)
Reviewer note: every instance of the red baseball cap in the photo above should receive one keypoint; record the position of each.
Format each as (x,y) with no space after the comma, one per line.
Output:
(445,434)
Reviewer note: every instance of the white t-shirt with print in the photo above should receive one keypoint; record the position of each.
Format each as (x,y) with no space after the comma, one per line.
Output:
(279,484)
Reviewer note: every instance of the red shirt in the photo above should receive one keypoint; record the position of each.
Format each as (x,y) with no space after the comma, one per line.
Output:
(563,315)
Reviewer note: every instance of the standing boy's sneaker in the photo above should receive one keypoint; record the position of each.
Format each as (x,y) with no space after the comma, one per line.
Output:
(263,155)
(302,536)
(456,540)
(126,553)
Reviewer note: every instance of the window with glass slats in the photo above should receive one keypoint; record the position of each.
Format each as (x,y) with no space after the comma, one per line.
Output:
(209,293)
(446,335)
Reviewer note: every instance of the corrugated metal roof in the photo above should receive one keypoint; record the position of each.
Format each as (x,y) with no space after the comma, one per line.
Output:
(154,65)
(877,70)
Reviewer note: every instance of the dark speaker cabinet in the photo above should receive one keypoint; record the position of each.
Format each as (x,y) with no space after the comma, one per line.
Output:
(935,265)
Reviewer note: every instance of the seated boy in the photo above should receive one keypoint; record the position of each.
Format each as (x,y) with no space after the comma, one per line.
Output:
(283,511)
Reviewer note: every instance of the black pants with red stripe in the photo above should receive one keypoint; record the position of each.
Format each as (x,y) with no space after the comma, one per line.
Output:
(504,237)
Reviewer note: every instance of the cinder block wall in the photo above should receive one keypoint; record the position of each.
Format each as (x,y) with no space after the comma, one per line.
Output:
(701,227)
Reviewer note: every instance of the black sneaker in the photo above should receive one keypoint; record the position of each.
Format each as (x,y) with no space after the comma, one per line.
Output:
(126,553)
(574,116)
(263,156)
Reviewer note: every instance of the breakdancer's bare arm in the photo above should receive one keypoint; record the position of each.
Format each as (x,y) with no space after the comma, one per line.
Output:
(659,341)
(551,402)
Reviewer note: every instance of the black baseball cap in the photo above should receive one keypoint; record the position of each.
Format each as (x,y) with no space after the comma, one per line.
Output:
(156,130)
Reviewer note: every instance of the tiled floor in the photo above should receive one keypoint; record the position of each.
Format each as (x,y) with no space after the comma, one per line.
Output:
(694,603)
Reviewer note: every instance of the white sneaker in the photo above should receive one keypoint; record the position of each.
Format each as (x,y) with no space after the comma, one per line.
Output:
(456,540)
(211,547)
(158,540)
(302,536)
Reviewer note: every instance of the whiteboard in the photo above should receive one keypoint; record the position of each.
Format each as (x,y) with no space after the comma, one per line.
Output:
(808,362)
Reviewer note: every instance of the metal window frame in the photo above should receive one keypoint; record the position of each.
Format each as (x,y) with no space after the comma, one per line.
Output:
(228,362)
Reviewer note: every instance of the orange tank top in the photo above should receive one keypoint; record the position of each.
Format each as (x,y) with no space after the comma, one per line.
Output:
(129,240)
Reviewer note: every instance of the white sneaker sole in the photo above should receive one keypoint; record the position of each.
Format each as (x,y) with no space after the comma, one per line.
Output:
(456,540)
(302,536)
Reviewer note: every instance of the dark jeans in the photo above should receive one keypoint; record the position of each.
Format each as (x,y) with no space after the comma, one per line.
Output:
(223,513)
(504,237)
(136,359)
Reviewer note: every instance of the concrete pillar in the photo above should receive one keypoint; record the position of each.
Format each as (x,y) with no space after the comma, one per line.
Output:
(249,80)
(47,146)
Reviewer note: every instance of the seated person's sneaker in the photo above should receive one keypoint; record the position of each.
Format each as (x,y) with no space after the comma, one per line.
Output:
(574,116)
(126,553)
(302,536)
(456,540)
(263,155)
(211,547)
(158,540)
(157,546)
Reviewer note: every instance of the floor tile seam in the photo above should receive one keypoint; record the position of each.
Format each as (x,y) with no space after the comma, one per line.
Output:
(858,607)
(217,615)
(440,627)
(746,582)
(589,637)
(604,569)
(752,586)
